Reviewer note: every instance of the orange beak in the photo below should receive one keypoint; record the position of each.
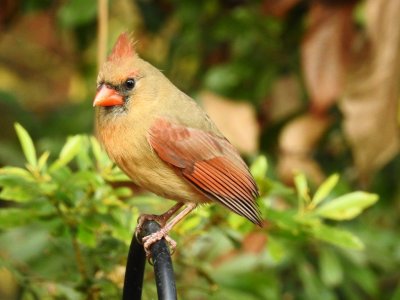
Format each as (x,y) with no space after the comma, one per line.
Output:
(107,97)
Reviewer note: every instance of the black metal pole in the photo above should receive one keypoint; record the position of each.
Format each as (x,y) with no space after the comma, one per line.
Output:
(134,271)
(163,269)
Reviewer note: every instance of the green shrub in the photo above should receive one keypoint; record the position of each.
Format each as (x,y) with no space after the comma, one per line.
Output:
(68,222)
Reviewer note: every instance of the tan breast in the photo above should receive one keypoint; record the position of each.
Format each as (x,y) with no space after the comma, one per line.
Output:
(127,145)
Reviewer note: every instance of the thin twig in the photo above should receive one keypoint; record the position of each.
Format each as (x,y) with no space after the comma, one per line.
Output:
(78,257)
(102,31)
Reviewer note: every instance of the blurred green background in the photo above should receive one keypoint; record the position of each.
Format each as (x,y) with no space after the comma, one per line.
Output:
(304,89)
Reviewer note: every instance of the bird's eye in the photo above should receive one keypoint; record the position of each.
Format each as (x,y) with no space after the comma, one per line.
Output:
(99,85)
(129,83)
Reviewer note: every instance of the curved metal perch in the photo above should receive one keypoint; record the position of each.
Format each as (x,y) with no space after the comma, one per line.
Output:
(163,269)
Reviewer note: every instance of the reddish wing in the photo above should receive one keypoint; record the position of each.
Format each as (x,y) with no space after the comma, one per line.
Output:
(208,162)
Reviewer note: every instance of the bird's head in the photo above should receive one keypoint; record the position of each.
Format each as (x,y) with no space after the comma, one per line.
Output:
(118,81)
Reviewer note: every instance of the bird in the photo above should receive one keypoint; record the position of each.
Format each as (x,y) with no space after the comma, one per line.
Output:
(166,143)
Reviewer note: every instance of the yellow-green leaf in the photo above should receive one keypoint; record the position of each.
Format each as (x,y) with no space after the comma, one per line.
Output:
(17,193)
(330,268)
(68,152)
(27,144)
(15,171)
(338,237)
(302,187)
(43,160)
(324,190)
(259,167)
(86,236)
(347,206)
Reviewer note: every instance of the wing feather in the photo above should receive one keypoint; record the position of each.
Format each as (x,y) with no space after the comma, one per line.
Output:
(208,162)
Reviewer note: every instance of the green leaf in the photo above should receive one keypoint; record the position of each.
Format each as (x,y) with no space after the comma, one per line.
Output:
(27,144)
(190,224)
(338,237)
(123,192)
(86,236)
(301,184)
(284,219)
(235,221)
(18,193)
(16,172)
(74,12)
(312,286)
(68,152)
(101,156)
(222,78)
(330,268)
(259,167)
(366,279)
(48,188)
(96,148)
(347,206)
(14,217)
(277,250)
(43,160)
(116,175)
(324,190)
(83,159)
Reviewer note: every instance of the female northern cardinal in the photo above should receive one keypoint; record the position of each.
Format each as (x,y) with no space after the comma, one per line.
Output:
(165,142)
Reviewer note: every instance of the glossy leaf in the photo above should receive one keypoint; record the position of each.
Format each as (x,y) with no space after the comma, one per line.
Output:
(27,144)
(68,152)
(302,188)
(330,268)
(16,172)
(18,193)
(324,189)
(338,237)
(259,168)
(347,207)
(43,160)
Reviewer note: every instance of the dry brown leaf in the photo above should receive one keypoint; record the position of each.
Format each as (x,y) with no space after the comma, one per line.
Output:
(236,120)
(370,105)
(278,8)
(254,242)
(285,99)
(301,134)
(296,142)
(325,52)
(290,164)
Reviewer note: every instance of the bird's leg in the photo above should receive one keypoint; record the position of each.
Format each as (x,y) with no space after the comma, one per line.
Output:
(160,219)
(163,232)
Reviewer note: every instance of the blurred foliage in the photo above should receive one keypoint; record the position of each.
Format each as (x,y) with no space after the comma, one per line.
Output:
(73,229)
(67,214)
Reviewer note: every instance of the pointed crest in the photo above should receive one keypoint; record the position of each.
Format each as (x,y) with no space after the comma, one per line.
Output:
(123,47)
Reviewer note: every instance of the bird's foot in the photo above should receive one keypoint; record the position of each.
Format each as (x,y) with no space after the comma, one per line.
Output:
(165,227)
(149,240)
(143,218)
(156,236)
